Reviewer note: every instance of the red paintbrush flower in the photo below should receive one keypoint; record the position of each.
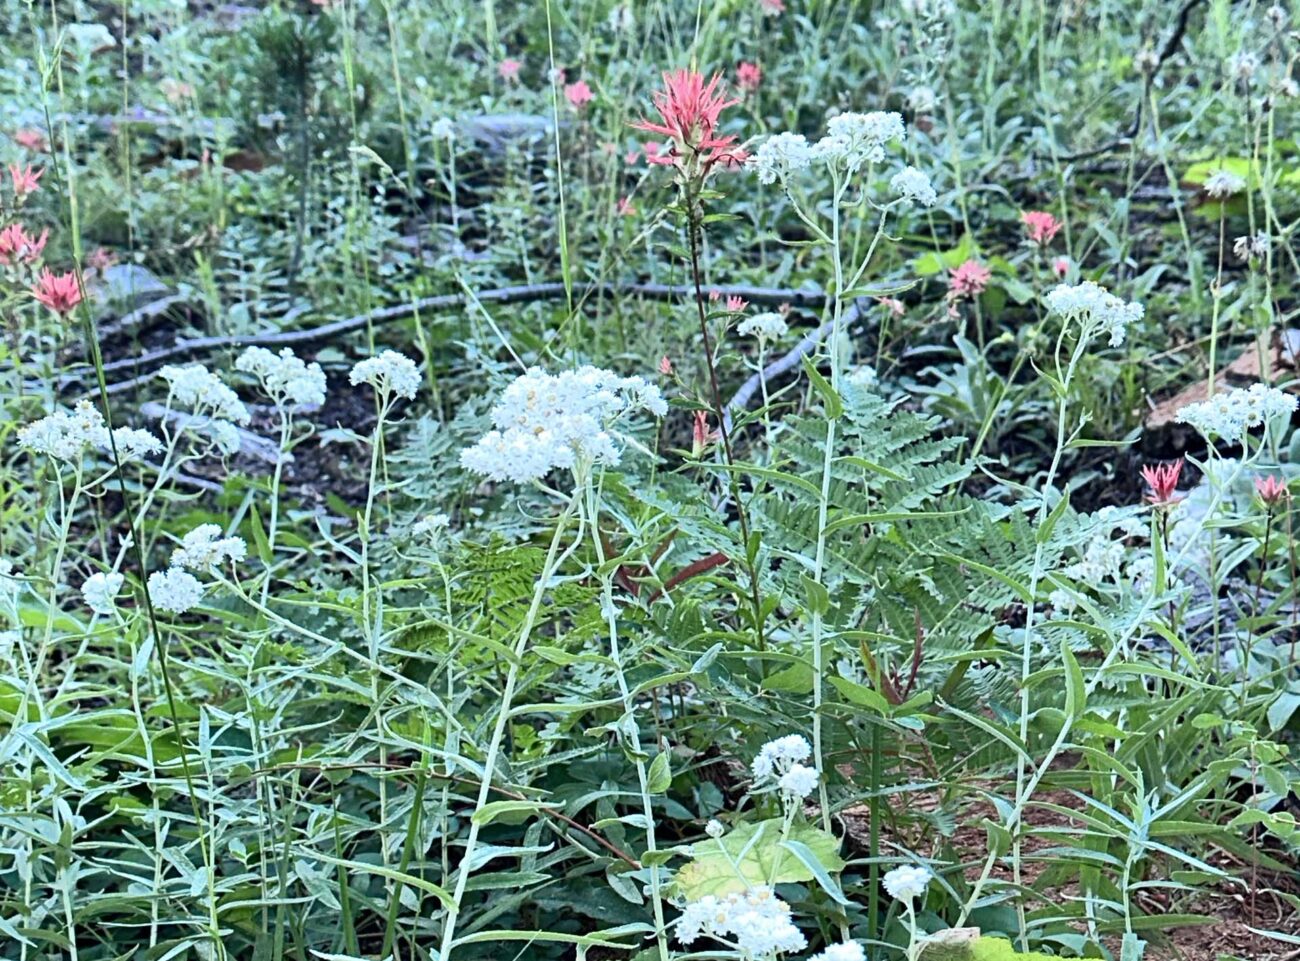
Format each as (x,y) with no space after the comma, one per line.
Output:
(16,244)
(26,181)
(1162,479)
(1271,489)
(689,108)
(60,294)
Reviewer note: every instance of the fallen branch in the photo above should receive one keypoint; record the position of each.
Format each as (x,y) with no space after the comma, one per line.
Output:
(195,346)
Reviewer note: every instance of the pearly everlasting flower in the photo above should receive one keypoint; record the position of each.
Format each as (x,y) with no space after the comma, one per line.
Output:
(1230,414)
(545,422)
(1222,184)
(204,549)
(848,951)
(389,372)
(855,139)
(67,436)
(443,129)
(1146,61)
(921,99)
(285,377)
(202,392)
(174,590)
(799,781)
(1244,66)
(765,326)
(781,155)
(1095,308)
(1256,247)
(757,922)
(100,591)
(1062,601)
(431,526)
(913,186)
(907,883)
(777,757)
(714,828)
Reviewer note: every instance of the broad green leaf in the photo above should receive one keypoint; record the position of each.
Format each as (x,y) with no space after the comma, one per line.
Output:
(752,854)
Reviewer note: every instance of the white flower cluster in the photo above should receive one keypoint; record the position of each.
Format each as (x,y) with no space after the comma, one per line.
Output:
(204,549)
(852,140)
(67,436)
(765,326)
(781,155)
(431,526)
(907,883)
(100,591)
(855,139)
(913,186)
(1221,184)
(546,422)
(443,129)
(174,590)
(757,922)
(389,372)
(848,951)
(776,757)
(1229,414)
(782,761)
(1247,247)
(285,377)
(202,392)
(1095,308)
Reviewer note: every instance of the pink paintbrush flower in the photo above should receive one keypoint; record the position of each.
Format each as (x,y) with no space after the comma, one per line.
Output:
(895,306)
(689,110)
(772,8)
(1061,266)
(749,76)
(26,181)
(1272,490)
(736,303)
(59,293)
(1162,479)
(101,259)
(16,245)
(968,280)
(509,68)
(701,436)
(1040,226)
(665,366)
(32,140)
(578,94)
(625,207)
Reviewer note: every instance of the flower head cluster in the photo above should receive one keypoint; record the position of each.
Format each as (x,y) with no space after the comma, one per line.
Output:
(18,246)
(780,155)
(968,280)
(777,757)
(1163,481)
(59,292)
(690,108)
(757,922)
(388,373)
(66,436)
(174,590)
(1230,414)
(100,591)
(799,781)
(1221,184)
(285,377)
(545,422)
(856,139)
(766,326)
(907,883)
(1244,248)
(913,186)
(1272,490)
(203,392)
(204,549)
(25,180)
(848,951)
(749,76)
(1095,308)
(578,94)
(1040,226)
